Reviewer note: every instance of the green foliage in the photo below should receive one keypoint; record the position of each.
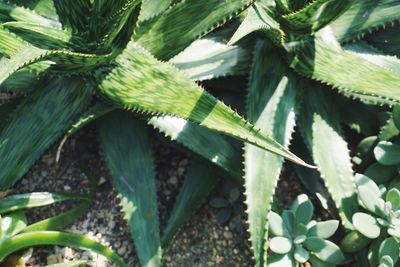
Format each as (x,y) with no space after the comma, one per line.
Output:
(77,62)
(305,47)
(298,239)
(17,235)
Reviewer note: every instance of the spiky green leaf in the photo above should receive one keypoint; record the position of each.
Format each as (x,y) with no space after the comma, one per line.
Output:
(154,87)
(270,106)
(324,60)
(257,19)
(168,34)
(131,164)
(364,16)
(45,115)
(329,150)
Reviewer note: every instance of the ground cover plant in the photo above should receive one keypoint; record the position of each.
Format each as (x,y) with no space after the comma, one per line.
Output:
(300,72)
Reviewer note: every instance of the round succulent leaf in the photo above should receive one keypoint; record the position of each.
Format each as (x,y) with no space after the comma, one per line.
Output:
(299,200)
(366,225)
(380,173)
(363,181)
(386,261)
(289,220)
(301,255)
(324,229)
(396,116)
(366,145)
(389,247)
(223,215)
(315,262)
(219,202)
(281,260)
(373,251)
(394,230)
(304,212)
(387,153)
(393,196)
(369,194)
(354,242)
(325,250)
(280,245)
(276,225)
(301,229)
(300,239)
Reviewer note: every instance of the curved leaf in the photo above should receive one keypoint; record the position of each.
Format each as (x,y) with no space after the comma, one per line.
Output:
(327,62)
(270,106)
(45,115)
(329,150)
(168,34)
(41,238)
(140,82)
(364,16)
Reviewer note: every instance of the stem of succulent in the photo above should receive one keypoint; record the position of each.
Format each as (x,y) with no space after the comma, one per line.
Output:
(354,242)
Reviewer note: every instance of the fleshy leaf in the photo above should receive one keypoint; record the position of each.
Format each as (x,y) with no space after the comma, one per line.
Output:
(329,150)
(387,153)
(41,238)
(315,15)
(140,82)
(208,144)
(198,184)
(131,164)
(152,8)
(12,224)
(33,200)
(210,58)
(45,115)
(167,35)
(276,225)
(74,15)
(280,245)
(324,60)
(257,19)
(270,106)
(324,229)
(364,16)
(393,196)
(389,247)
(369,194)
(325,250)
(366,225)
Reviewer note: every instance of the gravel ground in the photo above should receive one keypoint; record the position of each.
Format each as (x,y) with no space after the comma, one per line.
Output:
(201,242)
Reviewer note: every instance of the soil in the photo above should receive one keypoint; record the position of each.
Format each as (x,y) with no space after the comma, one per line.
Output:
(201,242)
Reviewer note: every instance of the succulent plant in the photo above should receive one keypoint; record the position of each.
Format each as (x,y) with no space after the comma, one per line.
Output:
(314,64)
(379,226)
(17,235)
(296,238)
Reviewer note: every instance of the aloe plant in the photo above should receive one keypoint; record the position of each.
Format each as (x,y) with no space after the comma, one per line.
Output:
(296,238)
(315,66)
(76,62)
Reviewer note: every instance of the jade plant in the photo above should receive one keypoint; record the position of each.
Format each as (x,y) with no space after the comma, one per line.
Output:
(297,239)
(378,227)
(16,234)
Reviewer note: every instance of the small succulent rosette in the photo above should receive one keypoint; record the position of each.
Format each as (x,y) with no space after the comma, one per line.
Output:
(380,221)
(297,239)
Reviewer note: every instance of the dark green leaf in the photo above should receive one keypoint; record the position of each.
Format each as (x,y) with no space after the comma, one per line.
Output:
(127,147)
